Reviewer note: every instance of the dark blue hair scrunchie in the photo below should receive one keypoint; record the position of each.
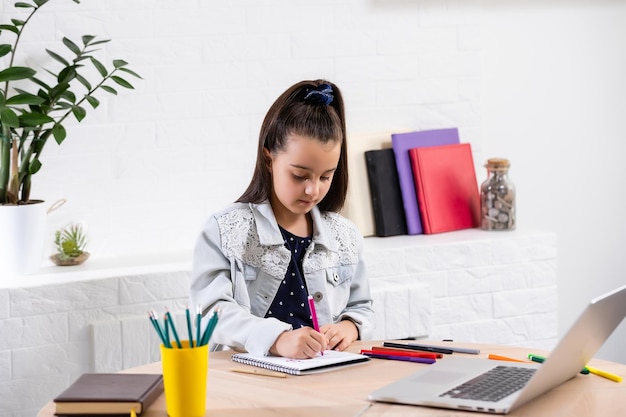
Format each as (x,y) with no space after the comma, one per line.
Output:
(323,94)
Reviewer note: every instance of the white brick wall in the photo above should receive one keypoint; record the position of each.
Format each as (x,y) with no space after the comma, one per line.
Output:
(144,169)
(56,326)
(486,287)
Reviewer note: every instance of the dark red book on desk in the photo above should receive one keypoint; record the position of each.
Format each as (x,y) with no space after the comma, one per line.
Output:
(446,187)
(109,394)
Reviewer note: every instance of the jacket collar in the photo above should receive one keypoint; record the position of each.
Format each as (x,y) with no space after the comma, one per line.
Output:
(269,233)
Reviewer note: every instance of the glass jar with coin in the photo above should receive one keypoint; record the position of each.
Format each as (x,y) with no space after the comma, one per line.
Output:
(497,197)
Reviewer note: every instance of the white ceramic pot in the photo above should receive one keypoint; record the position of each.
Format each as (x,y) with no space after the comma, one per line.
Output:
(22,238)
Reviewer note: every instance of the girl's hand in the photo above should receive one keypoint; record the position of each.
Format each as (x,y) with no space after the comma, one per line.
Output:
(340,335)
(301,343)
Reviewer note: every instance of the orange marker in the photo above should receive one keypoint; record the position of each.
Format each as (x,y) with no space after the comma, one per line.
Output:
(505,358)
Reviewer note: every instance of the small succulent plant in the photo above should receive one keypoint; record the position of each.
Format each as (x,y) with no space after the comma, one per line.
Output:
(70,243)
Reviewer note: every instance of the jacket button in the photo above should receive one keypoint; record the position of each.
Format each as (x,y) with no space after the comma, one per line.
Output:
(318,296)
(336,277)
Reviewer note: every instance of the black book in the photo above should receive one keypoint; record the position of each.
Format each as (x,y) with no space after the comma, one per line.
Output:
(389,217)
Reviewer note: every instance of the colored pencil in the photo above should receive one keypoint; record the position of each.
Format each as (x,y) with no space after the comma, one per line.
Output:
(198,324)
(167,332)
(156,326)
(208,331)
(174,332)
(189,332)
(258,371)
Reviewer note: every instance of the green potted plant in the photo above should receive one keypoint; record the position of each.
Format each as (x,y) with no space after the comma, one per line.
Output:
(70,243)
(33,108)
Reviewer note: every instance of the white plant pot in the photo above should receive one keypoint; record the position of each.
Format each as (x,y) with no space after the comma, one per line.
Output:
(22,238)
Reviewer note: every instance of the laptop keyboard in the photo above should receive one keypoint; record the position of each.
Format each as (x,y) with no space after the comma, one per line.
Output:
(493,385)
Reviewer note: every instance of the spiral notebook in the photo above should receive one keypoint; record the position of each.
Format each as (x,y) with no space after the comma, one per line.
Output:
(331,360)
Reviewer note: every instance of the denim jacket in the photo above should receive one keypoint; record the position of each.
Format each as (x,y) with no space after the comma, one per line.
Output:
(240,260)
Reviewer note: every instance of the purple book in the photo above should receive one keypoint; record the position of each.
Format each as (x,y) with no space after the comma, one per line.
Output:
(401,143)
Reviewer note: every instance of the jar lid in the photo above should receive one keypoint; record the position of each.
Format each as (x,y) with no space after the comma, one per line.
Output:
(497,163)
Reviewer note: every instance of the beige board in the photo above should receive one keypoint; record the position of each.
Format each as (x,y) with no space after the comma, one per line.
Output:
(358,206)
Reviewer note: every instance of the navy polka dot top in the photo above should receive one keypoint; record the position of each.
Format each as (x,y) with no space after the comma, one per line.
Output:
(290,304)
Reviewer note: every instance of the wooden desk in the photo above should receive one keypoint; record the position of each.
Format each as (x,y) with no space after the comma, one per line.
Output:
(344,392)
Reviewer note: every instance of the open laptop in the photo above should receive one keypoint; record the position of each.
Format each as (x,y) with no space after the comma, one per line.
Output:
(444,385)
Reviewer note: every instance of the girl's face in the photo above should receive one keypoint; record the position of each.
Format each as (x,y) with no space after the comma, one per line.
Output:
(301,175)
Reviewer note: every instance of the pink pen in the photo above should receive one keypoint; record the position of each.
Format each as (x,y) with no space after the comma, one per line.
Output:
(316,325)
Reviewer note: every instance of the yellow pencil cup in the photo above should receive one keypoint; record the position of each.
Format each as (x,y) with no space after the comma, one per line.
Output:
(184,379)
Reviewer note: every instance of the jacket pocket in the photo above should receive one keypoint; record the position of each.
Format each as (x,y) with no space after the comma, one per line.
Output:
(260,289)
(338,281)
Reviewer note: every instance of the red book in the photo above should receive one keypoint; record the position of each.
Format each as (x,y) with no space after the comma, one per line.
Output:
(446,187)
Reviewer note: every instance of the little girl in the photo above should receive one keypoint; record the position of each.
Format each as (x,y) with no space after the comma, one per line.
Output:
(258,260)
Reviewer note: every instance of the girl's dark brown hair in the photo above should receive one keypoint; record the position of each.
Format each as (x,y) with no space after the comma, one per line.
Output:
(296,113)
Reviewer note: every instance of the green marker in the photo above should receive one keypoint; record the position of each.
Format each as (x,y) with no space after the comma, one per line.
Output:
(541,359)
